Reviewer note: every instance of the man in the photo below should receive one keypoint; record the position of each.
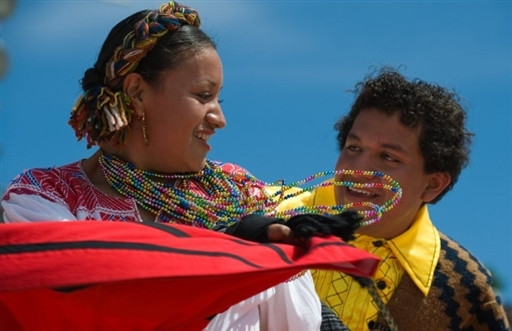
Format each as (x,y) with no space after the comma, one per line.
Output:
(415,132)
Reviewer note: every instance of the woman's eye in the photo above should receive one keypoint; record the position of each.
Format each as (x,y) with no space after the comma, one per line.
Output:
(207,97)
(204,96)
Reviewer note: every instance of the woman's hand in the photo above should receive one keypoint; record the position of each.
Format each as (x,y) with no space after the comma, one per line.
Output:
(280,233)
(297,230)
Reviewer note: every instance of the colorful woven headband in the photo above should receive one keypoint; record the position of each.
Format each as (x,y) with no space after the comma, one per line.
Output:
(101,113)
(171,16)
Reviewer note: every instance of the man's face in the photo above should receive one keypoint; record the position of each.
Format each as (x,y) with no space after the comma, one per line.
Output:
(379,142)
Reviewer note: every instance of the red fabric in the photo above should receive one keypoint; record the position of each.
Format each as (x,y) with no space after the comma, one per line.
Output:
(143,276)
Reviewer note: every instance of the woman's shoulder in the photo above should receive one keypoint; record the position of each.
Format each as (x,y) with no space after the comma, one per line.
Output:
(48,179)
(240,177)
(231,168)
(39,176)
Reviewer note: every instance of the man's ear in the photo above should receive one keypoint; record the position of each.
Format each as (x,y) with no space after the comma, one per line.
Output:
(133,87)
(437,182)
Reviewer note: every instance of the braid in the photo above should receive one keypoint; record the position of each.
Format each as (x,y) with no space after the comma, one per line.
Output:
(102,113)
(171,16)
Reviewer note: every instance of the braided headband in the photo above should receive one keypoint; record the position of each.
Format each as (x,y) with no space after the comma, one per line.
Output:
(100,113)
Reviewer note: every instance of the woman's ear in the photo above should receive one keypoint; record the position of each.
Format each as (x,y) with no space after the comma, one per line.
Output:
(437,182)
(133,87)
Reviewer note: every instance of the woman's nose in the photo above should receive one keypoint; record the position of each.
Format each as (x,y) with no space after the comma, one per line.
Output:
(216,117)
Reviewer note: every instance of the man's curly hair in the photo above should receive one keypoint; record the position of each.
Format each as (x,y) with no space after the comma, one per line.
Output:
(444,140)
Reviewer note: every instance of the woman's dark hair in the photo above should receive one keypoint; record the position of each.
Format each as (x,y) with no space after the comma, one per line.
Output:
(148,42)
(444,140)
(170,49)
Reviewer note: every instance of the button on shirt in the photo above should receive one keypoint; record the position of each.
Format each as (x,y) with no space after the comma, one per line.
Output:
(352,302)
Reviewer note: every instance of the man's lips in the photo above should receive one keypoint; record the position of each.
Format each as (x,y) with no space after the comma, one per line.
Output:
(361,192)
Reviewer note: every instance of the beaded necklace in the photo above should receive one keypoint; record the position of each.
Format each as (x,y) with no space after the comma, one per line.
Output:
(371,212)
(169,196)
(229,196)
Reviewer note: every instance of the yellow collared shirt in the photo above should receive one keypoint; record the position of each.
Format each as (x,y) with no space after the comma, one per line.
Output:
(416,252)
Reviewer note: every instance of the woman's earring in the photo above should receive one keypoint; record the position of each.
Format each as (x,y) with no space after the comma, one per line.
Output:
(144,133)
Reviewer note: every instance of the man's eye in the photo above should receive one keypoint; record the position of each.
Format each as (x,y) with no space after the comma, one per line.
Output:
(351,148)
(388,157)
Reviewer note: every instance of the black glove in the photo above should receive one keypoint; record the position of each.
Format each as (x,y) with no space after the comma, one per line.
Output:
(254,227)
(251,227)
(341,225)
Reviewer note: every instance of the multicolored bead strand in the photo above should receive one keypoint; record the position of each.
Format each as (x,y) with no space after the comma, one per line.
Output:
(230,196)
(370,216)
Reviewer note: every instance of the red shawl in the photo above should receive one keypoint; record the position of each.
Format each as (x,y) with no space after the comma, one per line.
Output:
(119,275)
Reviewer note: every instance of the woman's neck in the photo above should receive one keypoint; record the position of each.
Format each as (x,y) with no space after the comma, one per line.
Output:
(93,171)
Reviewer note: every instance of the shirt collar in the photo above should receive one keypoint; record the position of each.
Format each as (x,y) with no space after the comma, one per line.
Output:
(417,249)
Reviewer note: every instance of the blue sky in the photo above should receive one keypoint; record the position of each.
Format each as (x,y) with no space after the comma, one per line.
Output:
(288,66)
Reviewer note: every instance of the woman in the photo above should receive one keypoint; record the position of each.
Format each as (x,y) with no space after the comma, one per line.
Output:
(151,104)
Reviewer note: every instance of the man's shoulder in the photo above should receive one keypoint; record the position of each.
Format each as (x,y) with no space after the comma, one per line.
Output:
(455,259)
(461,280)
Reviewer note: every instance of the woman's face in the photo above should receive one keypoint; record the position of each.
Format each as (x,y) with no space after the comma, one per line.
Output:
(181,114)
